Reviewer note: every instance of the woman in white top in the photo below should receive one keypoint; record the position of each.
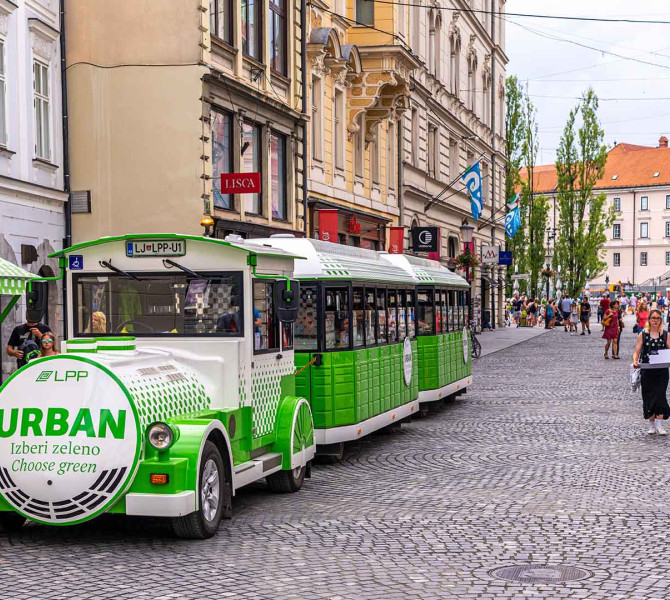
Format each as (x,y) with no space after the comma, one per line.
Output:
(574,317)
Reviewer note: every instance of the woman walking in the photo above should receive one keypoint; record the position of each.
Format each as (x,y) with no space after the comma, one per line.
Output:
(642,315)
(611,333)
(654,382)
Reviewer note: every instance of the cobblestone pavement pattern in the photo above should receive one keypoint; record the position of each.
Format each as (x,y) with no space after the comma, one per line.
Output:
(544,462)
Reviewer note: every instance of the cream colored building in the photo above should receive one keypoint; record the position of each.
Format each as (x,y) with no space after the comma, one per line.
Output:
(165,96)
(456,118)
(636,183)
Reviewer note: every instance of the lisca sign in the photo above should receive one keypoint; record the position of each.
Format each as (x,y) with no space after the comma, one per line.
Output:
(240,183)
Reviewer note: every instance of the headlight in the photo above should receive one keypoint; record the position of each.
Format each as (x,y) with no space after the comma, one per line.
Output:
(161,436)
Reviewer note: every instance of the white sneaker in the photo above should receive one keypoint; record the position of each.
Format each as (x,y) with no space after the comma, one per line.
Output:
(651,430)
(660,429)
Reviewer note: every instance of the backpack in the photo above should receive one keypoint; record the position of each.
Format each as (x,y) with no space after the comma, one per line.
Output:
(30,351)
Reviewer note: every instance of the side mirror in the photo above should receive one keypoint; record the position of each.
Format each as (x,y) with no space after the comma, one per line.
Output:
(37,295)
(286,301)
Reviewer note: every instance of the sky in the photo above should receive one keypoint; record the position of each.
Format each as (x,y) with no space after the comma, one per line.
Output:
(558,72)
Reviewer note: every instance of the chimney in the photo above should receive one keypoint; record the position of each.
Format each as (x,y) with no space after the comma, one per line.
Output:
(663,142)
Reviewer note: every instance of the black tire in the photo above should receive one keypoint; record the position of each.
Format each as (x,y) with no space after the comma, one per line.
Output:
(286,482)
(476,348)
(330,454)
(11,522)
(196,526)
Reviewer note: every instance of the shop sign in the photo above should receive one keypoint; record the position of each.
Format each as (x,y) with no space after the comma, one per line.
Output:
(240,183)
(397,240)
(328,225)
(504,258)
(354,226)
(69,455)
(490,255)
(425,239)
(151,248)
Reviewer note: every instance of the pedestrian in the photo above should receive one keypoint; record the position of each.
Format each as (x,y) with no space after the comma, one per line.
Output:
(517,304)
(48,343)
(532,311)
(574,317)
(566,307)
(642,315)
(24,342)
(633,303)
(624,303)
(611,333)
(654,382)
(604,307)
(660,303)
(585,315)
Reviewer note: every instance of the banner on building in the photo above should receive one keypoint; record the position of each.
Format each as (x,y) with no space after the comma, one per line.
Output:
(425,239)
(240,183)
(490,255)
(328,225)
(513,217)
(396,240)
(472,179)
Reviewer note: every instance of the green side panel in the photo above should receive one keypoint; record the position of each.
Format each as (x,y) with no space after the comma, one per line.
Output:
(429,375)
(332,393)
(363,378)
(175,468)
(287,385)
(376,381)
(302,379)
(414,387)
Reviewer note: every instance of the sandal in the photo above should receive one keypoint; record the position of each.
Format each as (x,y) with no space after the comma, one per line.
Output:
(615,357)
(606,357)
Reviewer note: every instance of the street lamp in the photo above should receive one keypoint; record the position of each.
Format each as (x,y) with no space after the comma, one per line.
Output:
(548,258)
(607,283)
(467,232)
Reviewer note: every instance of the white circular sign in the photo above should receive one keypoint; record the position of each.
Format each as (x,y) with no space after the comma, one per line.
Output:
(69,440)
(407,361)
(466,353)
(425,237)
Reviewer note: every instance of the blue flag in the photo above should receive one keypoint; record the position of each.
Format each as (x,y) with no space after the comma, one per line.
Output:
(472,179)
(513,217)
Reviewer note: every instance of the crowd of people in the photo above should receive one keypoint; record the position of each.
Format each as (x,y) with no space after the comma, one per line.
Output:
(570,313)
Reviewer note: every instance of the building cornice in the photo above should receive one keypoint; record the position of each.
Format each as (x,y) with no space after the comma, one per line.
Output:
(33,190)
(44,29)
(7,7)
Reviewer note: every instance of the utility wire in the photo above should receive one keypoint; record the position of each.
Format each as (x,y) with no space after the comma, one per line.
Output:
(526,15)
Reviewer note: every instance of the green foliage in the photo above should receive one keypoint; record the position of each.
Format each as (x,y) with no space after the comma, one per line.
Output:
(527,245)
(583,216)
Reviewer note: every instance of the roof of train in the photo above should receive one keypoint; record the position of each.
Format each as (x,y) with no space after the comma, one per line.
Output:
(326,260)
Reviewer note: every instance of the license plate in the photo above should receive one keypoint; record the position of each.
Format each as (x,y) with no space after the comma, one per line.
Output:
(146,248)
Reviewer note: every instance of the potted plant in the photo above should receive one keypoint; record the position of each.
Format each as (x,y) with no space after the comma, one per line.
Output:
(466,260)
(547,273)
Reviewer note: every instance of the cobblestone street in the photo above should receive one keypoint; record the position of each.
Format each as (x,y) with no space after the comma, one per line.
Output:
(543,462)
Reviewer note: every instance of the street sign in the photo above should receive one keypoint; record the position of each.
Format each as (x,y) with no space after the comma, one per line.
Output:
(504,258)
(425,239)
(521,276)
(490,255)
(240,183)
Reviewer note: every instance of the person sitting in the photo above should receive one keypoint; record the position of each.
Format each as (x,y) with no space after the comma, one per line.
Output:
(48,343)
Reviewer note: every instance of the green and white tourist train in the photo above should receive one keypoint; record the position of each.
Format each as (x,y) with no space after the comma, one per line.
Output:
(194,366)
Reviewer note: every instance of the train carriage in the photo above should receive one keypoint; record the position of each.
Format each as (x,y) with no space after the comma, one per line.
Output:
(443,340)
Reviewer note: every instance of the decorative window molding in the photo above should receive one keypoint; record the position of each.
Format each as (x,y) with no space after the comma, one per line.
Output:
(6,9)
(42,38)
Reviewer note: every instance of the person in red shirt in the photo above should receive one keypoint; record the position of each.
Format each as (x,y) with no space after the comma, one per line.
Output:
(604,306)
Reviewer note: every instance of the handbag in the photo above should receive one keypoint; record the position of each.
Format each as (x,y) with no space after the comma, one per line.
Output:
(635,375)
(607,320)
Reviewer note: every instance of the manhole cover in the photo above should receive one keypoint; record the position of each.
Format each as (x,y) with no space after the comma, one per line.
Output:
(540,573)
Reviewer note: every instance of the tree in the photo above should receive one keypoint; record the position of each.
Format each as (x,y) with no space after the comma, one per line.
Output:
(583,216)
(536,208)
(514,137)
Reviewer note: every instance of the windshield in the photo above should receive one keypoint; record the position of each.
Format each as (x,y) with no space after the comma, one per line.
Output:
(175,304)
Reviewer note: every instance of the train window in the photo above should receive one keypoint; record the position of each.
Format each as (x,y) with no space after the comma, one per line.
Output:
(461,310)
(444,315)
(426,312)
(359,317)
(305,326)
(337,318)
(287,336)
(453,310)
(402,315)
(393,316)
(370,318)
(411,322)
(381,316)
(447,311)
(438,311)
(266,328)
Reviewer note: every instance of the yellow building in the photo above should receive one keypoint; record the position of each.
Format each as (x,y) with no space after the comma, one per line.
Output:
(164,97)
(359,89)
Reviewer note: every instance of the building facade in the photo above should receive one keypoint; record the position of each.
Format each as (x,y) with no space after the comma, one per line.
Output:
(165,97)
(636,183)
(359,89)
(32,200)
(457,118)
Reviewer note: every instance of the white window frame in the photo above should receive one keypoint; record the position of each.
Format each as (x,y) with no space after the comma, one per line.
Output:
(616,231)
(617,204)
(644,202)
(667,259)
(616,259)
(643,259)
(374,147)
(667,201)
(667,229)
(415,136)
(3,95)
(390,155)
(338,126)
(42,111)
(644,230)
(317,118)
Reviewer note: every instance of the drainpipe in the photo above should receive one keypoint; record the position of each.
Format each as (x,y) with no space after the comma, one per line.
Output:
(400,177)
(634,209)
(66,157)
(305,153)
